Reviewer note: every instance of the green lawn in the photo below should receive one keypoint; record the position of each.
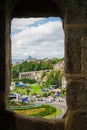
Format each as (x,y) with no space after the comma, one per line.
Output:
(20,90)
(34,89)
(44,110)
(55,114)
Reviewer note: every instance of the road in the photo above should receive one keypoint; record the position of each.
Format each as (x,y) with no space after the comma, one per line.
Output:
(61,105)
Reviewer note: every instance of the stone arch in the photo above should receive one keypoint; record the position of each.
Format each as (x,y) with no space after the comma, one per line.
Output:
(38,8)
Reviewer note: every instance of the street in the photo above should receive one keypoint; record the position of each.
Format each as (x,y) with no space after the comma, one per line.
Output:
(61,105)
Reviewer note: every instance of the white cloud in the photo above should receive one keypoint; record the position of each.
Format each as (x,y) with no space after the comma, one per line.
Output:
(23,23)
(40,41)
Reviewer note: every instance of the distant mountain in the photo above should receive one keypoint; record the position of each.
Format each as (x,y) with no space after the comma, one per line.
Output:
(16,60)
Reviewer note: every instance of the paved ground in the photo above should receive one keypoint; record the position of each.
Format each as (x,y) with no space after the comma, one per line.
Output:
(61,105)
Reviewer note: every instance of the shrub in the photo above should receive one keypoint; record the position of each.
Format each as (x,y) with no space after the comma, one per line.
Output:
(48,110)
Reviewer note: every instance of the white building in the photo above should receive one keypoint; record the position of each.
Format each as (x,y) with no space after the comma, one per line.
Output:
(64,82)
(12,86)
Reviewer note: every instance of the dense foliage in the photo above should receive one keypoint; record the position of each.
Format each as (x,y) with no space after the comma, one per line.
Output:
(48,110)
(54,78)
(30,81)
(27,66)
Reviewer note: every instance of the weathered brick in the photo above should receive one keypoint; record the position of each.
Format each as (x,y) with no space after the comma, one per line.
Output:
(77,95)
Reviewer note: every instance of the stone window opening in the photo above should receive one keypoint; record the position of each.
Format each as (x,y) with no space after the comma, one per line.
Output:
(59,24)
(10,120)
(73,14)
(15,121)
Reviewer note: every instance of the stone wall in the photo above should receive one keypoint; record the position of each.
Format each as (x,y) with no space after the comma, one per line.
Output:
(37,74)
(30,75)
(75,26)
(74,17)
(33,75)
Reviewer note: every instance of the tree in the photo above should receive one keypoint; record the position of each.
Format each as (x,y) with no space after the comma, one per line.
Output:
(24,66)
(43,75)
(30,81)
(15,74)
(54,78)
(15,71)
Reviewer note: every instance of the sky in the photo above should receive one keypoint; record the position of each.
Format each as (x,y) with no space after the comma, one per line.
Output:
(37,37)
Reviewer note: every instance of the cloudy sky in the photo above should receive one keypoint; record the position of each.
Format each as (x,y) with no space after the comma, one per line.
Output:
(37,37)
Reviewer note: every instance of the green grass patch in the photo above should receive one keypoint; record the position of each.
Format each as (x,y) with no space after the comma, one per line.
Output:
(55,114)
(20,90)
(46,110)
(35,89)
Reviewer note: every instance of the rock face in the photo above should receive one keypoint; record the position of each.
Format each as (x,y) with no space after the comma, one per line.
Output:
(74,16)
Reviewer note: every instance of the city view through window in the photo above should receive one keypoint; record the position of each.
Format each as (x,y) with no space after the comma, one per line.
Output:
(38,85)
